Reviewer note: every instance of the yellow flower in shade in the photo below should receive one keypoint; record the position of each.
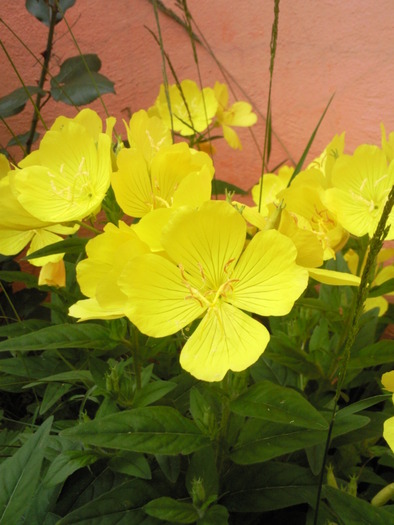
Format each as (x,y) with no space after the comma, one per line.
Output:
(327,159)
(53,274)
(18,228)
(304,198)
(147,135)
(273,185)
(382,275)
(240,114)
(97,275)
(207,273)
(140,189)
(388,425)
(192,109)
(361,184)
(68,177)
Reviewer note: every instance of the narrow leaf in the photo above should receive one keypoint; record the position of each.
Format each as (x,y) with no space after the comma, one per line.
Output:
(70,245)
(88,335)
(153,430)
(350,509)
(19,475)
(265,400)
(169,509)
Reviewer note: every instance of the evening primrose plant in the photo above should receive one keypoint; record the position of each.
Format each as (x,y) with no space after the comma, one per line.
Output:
(182,356)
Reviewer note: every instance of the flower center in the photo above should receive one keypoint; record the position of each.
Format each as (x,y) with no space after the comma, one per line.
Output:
(206,296)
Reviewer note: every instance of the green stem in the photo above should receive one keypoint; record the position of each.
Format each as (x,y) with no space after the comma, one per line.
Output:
(47,57)
(136,361)
(268,133)
(354,319)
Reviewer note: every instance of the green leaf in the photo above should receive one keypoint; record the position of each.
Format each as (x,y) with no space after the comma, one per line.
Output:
(220,187)
(69,245)
(170,466)
(373,355)
(203,467)
(282,350)
(15,102)
(153,430)
(310,142)
(88,335)
(53,392)
(265,400)
(131,464)
(19,475)
(42,11)
(349,509)
(363,404)
(22,327)
(22,139)
(152,392)
(260,441)
(273,486)
(84,90)
(383,289)
(169,509)
(74,67)
(122,505)
(28,279)
(215,515)
(66,464)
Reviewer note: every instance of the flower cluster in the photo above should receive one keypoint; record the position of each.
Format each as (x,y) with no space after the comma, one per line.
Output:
(178,256)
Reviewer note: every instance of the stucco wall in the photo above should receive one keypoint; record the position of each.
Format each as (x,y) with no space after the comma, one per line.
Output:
(346,47)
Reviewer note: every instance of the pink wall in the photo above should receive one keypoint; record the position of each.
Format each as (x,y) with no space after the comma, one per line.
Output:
(324,46)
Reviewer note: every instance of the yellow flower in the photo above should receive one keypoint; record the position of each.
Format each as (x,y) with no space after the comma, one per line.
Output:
(147,135)
(107,254)
(208,274)
(239,114)
(68,177)
(327,159)
(140,189)
(382,275)
(388,426)
(192,109)
(18,228)
(53,274)
(361,184)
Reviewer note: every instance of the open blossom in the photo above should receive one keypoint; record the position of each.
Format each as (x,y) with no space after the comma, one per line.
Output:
(67,178)
(239,114)
(97,275)
(191,109)
(140,188)
(207,274)
(361,185)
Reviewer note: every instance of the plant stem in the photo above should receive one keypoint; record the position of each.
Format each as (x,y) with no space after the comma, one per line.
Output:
(354,320)
(268,132)
(44,70)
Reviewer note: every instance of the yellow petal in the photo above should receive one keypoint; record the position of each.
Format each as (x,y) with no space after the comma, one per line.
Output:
(267,280)
(388,432)
(53,274)
(388,380)
(226,339)
(72,179)
(206,241)
(147,134)
(162,303)
(90,309)
(131,184)
(231,137)
(41,239)
(108,254)
(332,277)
